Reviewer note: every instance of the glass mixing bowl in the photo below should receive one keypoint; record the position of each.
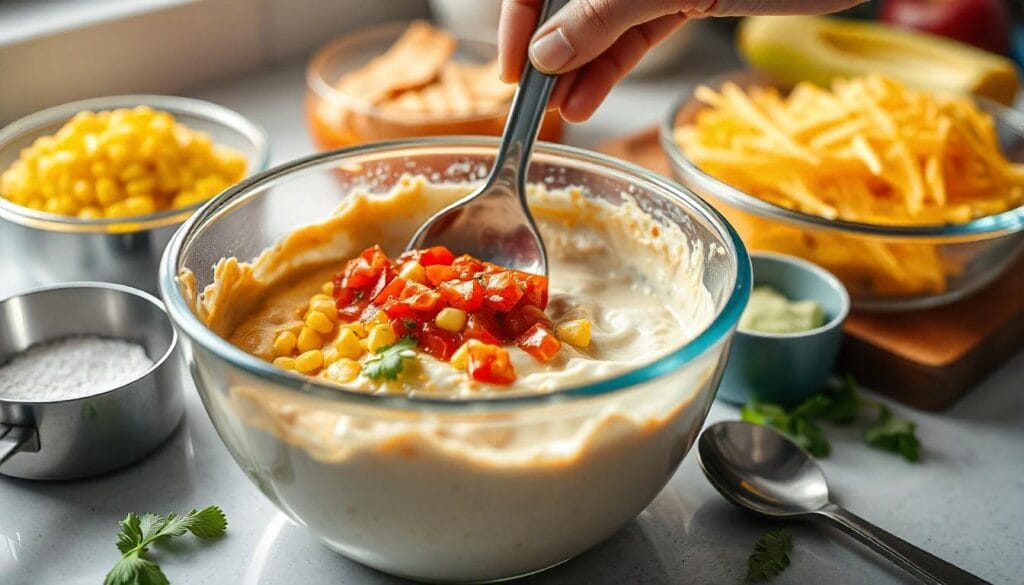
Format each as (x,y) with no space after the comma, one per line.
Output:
(461,489)
(885,268)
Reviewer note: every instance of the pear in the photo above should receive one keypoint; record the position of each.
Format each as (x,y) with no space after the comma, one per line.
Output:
(818,49)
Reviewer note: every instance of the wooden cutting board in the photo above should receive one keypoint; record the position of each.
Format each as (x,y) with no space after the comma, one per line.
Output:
(927,359)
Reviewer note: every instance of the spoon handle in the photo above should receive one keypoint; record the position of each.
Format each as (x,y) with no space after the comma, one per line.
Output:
(923,565)
(524,117)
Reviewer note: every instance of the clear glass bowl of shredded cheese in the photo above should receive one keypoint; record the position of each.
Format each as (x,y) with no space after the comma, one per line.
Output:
(898,239)
(439,485)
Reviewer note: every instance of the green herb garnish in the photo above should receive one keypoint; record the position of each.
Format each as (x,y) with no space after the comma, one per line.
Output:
(389,361)
(137,533)
(770,556)
(840,405)
(797,424)
(893,434)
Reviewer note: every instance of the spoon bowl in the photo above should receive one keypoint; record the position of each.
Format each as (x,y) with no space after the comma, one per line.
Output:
(494,222)
(754,469)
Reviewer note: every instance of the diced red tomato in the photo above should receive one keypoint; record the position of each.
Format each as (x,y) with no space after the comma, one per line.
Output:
(501,293)
(436,255)
(350,313)
(491,364)
(392,291)
(503,306)
(522,318)
(438,342)
(484,327)
(467,266)
(465,295)
(539,342)
(404,326)
(438,273)
(429,256)
(396,309)
(535,289)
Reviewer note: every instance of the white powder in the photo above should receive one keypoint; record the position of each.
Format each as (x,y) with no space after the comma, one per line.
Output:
(71,367)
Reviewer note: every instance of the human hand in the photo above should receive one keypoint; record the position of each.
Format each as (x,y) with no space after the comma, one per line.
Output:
(593,44)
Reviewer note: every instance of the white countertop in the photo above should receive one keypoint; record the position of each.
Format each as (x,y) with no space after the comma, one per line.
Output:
(964,502)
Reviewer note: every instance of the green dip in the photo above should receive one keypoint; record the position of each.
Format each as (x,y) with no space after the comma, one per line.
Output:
(770,312)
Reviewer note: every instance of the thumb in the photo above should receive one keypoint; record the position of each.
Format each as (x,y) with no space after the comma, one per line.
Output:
(583,29)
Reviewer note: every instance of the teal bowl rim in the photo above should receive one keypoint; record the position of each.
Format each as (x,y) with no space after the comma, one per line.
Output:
(717,331)
(1009,221)
(821,274)
(175,105)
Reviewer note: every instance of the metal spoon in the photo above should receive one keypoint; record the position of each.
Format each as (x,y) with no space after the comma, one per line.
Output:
(758,468)
(494,223)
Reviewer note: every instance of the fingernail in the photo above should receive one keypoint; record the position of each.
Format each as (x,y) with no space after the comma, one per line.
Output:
(551,51)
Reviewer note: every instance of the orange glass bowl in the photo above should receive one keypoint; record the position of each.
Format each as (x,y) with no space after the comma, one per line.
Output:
(337,119)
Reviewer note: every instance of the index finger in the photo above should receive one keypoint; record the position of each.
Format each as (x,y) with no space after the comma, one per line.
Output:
(515,28)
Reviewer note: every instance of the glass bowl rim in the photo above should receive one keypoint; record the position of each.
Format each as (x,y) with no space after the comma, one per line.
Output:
(1008,221)
(177,106)
(717,330)
(318,84)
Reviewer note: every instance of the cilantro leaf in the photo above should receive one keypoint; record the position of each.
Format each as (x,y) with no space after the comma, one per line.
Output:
(838,404)
(770,556)
(138,533)
(796,424)
(131,533)
(390,360)
(135,570)
(893,434)
(844,402)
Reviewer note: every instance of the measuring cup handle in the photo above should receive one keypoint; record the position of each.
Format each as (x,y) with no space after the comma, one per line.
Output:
(14,438)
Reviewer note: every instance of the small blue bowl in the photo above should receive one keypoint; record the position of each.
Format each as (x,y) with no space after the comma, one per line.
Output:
(785,368)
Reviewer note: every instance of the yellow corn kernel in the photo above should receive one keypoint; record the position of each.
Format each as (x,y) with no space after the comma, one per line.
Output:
(140,186)
(90,212)
(284,343)
(460,359)
(309,361)
(380,336)
(451,319)
(82,189)
(132,171)
(343,371)
(331,355)
(108,191)
(325,306)
(358,327)
(380,317)
(319,322)
(575,332)
(139,205)
(285,363)
(347,344)
(328,288)
(413,271)
(309,339)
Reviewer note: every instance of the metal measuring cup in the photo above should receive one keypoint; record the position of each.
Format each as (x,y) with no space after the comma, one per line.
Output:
(78,437)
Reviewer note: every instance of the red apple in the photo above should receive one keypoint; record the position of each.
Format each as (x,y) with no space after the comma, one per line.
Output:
(982,23)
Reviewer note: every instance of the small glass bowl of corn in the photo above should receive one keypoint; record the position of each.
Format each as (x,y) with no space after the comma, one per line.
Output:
(93,189)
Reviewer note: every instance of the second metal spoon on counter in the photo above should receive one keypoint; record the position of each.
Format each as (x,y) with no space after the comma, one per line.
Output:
(757,468)
(494,223)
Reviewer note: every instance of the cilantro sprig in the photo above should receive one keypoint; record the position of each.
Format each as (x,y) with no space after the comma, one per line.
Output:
(137,533)
(841,405)
(770,556)
(389,361)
